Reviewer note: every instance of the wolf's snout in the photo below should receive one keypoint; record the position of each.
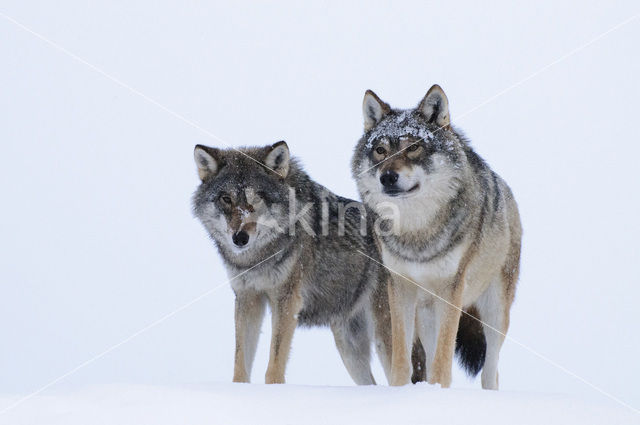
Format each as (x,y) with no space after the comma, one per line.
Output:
(388,178)
(240,238)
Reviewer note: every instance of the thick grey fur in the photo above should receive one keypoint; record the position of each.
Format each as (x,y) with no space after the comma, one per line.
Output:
(337,284)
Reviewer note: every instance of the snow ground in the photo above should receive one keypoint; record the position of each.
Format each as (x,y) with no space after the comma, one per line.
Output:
(231,404)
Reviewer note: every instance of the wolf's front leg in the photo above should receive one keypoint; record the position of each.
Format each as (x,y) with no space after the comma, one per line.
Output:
(249,312)
(402,303)
(382,324)
(285,305)
(448,316)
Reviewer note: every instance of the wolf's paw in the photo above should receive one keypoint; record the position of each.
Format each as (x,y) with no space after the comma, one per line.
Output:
(400,376)
(444,379)
(273,378)
(241,379)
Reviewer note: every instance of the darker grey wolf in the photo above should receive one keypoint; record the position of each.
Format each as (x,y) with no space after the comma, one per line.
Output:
(455,244)
(290,243)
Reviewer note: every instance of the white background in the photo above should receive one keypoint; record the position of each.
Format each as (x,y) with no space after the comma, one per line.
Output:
(96,234)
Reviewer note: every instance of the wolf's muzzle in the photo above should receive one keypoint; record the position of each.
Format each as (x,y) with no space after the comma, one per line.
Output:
(240,238)
(388,178)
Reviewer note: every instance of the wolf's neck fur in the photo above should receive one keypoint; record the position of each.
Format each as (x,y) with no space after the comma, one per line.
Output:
(431,229)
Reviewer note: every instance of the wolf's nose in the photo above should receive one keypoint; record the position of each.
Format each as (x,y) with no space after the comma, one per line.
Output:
(388,178)
(240,238)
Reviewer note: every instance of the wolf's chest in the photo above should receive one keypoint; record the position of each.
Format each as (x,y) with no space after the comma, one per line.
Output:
(424,273)
(262,279)
(256,282)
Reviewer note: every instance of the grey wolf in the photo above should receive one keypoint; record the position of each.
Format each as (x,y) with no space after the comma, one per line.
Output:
(257,203)
(458,237)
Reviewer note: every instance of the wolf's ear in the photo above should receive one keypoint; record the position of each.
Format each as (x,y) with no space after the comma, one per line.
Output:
(278,158)
(435,106)
(373,109)
(207,161)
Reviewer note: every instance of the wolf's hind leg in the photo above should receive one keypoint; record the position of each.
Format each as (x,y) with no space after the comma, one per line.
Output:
(418,362)
(249,312)
(493,308)
(426,331)
(353,339)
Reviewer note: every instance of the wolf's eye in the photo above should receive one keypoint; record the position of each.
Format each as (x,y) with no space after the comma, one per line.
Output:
(380,150)
(413,147)
(226,199)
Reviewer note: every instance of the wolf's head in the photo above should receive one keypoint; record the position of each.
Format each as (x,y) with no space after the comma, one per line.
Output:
(242,200)
(408,157)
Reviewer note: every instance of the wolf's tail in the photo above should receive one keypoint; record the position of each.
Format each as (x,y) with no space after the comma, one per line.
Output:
(471,346)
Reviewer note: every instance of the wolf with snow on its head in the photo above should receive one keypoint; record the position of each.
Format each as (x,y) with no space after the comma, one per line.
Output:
(457,237)
(412,158)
